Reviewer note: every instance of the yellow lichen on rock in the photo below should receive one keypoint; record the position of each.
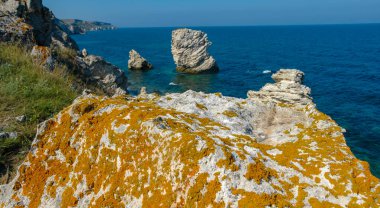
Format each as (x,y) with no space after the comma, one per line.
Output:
(130,152)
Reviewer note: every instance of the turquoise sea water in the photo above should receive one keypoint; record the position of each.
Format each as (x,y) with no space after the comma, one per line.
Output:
(341,62)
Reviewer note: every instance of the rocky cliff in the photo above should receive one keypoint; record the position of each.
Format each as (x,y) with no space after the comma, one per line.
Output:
(193,150)
(75,26)
(34,26)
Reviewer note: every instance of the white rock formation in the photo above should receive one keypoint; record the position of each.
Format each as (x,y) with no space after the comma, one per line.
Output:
(137,62)
(84,53)
(107,76)
(288,89)
(190,52)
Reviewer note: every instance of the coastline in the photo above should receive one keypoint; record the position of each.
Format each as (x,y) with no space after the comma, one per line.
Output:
(109,149)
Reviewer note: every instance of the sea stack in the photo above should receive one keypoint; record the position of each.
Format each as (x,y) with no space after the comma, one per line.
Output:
(190,52)
(137,62)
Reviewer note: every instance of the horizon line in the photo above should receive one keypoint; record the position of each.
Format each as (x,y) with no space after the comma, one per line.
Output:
(259,25)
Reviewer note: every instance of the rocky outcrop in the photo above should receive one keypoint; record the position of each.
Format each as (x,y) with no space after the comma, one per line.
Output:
(32,24)
(137,62)
(35,27)
(190,52)
(288,89)
(190,150)
(107,76)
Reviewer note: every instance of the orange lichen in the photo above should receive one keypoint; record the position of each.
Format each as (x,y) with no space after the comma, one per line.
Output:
(68,199)
(230,114)
(81,148)
(200,106)
(315,203)
(260,200)
(258,172)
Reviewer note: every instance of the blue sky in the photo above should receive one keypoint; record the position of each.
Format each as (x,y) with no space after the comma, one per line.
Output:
(162,13)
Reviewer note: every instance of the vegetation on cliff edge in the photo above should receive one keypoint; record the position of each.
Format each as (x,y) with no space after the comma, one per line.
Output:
(26,88)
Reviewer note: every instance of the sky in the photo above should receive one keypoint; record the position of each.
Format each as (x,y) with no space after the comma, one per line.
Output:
(166,13)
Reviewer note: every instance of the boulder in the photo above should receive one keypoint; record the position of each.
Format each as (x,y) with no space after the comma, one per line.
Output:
(291,75)
(190,52)
(137,62)
(189,150)
(107,76)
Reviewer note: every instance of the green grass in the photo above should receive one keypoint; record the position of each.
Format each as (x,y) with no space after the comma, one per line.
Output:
(28,89)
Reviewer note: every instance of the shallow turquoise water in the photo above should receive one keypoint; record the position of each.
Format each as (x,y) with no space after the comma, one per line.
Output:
(341,62)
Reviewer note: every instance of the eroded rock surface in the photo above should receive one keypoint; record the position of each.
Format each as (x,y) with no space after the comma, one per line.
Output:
(32,24)
(190,52)
(288,89)
(190,150)
(137,62)
(109,77)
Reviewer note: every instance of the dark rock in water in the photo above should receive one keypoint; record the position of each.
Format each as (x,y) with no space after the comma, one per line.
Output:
(137,62)
(190,52)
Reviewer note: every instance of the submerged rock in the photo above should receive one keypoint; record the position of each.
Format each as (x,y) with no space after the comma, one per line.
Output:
(137,62)
(190,150)
(190,51)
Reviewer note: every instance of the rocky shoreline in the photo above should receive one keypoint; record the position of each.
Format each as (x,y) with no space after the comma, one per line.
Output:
(191,149)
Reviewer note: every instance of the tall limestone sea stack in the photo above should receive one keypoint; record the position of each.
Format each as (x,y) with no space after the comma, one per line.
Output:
(190,52)
(193,150)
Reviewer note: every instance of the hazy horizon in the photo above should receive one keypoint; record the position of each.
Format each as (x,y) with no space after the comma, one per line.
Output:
(197,13)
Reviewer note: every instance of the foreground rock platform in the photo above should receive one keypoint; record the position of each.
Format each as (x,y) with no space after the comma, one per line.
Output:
(190,52)
(191,150)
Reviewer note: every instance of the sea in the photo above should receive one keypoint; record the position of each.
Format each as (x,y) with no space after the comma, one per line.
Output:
(341,62)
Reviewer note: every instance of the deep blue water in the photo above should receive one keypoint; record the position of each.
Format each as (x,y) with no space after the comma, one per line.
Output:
(341,62)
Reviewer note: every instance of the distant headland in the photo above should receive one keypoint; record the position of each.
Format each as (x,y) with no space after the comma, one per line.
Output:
(76,26)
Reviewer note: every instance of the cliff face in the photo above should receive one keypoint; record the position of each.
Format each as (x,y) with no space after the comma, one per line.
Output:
(191,150)
(32,24)
(35,27)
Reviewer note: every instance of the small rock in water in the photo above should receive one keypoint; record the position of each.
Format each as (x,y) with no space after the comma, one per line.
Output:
(137,62)
(267,71)
(143,91)
(84,53)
